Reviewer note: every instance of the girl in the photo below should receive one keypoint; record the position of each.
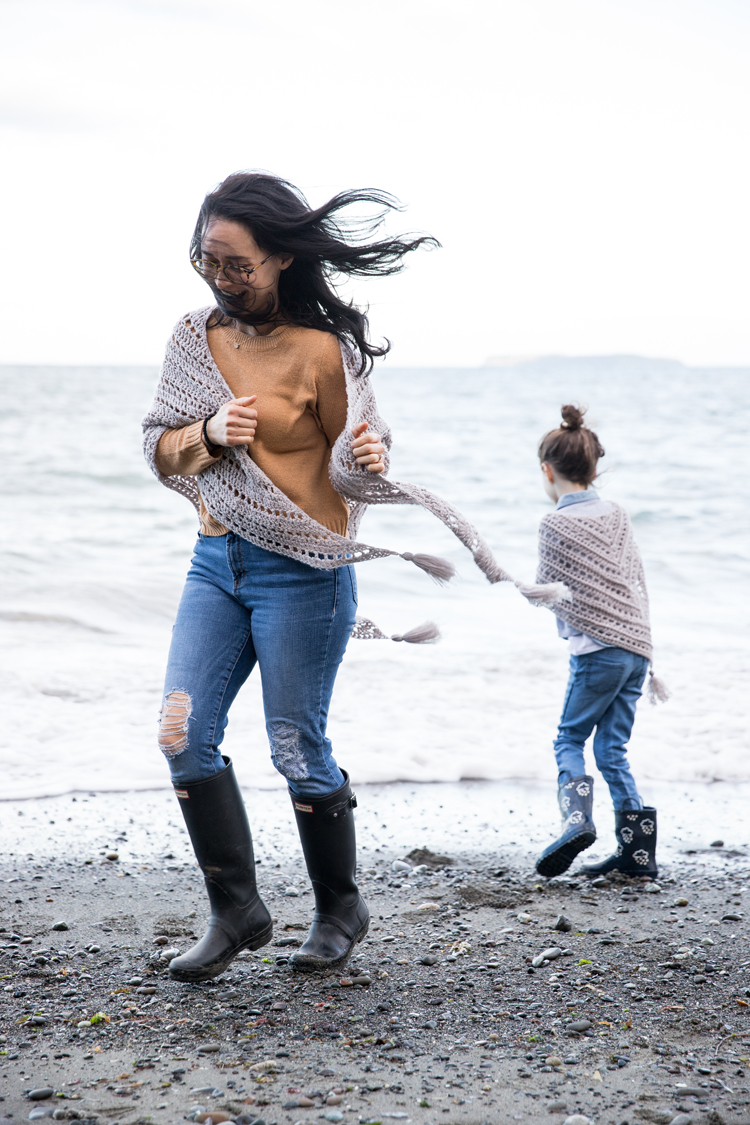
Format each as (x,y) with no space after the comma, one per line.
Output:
(588,544)
(265,419)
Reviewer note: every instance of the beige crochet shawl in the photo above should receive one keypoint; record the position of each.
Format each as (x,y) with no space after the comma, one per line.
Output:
(598,560)
(245,500)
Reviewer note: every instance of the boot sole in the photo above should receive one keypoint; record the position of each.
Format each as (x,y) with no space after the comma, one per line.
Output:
(209,971)
(313,966)
(560,860)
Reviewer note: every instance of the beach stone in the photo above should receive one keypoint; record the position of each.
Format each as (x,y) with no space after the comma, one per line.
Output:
(681,902)
(40,1112)
(717,844)
(40,1094)
(553,1060)
(547,955)
(580,1025)
(134,981)
(215,1115)
(600,881)
(428,959)
(699,979)
(112,856)
(577,1119)
(557,1107)
(563,924)
(655,1116)
(61,925)
(400,865)
(333,1115)
(209,1048)
(264,1065)
(681,1119)
(334,1099)
(524,919)
(146,990)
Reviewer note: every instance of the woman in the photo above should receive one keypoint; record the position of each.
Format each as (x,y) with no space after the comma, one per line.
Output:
(250,422)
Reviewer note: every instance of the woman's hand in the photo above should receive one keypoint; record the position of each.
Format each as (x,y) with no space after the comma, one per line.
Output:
(368,449)
(234,424)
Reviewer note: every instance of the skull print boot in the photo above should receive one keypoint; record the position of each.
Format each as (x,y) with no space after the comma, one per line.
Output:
(635,830)
(575,798)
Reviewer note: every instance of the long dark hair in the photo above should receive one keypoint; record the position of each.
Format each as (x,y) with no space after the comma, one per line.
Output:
(573,450)
(324,244)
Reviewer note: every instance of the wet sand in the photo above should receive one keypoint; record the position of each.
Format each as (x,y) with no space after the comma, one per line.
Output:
(642,1016)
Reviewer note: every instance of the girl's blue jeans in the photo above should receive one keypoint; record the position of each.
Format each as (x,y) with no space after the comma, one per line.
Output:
(602,693)
(243,606)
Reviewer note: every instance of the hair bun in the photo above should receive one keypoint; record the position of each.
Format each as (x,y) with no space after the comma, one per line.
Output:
(572,417)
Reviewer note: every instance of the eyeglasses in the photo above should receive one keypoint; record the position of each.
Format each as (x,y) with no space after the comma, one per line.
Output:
(238,275)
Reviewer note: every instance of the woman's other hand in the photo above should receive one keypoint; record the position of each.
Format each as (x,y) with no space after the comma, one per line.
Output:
(234,424)
(368,449)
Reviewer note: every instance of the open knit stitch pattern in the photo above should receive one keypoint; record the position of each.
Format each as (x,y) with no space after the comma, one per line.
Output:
(241,496)
(598,560)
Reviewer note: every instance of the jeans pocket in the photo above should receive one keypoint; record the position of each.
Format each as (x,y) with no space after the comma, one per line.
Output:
(605,671)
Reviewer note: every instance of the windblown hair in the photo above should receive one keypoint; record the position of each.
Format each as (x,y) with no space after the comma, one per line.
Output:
(325,244)
(573,450)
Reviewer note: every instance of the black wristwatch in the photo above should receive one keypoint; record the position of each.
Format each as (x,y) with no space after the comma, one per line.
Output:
(214,450)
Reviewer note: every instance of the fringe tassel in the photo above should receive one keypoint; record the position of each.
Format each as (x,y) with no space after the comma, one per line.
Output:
(440,569)
(366,630)
(426,634)
(657,690)
(550,593)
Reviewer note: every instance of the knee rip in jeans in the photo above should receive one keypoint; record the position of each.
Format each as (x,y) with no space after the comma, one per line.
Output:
(285,750)
(173,723)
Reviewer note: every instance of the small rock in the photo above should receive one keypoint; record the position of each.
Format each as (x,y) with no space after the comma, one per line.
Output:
(717,844)
(288,941)
(547,955)
(334,1099)
(146,990)
(652,889)
(40,1094)
(112,856)
(134,981)
(563,924)
(731,918)
(600,881)
(577,1119)
(333,1115)
(209,1048)
(681,902)
(264,1065)
(168,954)
(580,1025)
(214,1115)
(699,978)
(40,1112)
(61,926)
(707,941)
(557,1107)
(399,865)
(428,959)
(681,1119)
(524,919)
(553,1060)
(161,940)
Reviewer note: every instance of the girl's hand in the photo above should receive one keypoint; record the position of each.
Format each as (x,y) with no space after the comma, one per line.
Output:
(368,449)
(234,424)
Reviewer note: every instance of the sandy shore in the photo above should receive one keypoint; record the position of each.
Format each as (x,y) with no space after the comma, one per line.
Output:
(642,1017)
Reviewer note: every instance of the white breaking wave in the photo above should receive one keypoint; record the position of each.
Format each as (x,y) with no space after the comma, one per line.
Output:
(94,554)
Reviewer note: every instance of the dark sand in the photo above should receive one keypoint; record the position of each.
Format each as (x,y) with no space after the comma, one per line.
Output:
(655,984)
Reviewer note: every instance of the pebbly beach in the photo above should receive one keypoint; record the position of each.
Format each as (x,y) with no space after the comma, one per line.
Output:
(482,993)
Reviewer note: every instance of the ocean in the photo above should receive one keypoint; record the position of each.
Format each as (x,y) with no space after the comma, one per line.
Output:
(93,554)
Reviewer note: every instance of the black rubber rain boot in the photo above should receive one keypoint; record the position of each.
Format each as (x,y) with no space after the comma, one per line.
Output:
(635,830)
(575,799)
(341,919)
(216,820)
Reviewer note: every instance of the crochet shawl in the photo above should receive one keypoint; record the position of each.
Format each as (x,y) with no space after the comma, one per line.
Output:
(245,500)
(598,560)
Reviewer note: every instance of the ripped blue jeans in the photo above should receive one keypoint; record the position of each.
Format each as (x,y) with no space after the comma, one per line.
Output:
(243,605)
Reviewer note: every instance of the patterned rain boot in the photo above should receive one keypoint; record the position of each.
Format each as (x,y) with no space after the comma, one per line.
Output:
(635,830)
(575,799)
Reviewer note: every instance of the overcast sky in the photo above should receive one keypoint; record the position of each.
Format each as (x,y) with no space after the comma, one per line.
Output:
(584,163)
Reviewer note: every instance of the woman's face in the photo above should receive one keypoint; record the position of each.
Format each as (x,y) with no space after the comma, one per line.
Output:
(229,244)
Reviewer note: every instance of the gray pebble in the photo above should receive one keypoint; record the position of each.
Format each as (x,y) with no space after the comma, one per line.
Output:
(40,1094)
(681,1119)
(563,924)
(61,926)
